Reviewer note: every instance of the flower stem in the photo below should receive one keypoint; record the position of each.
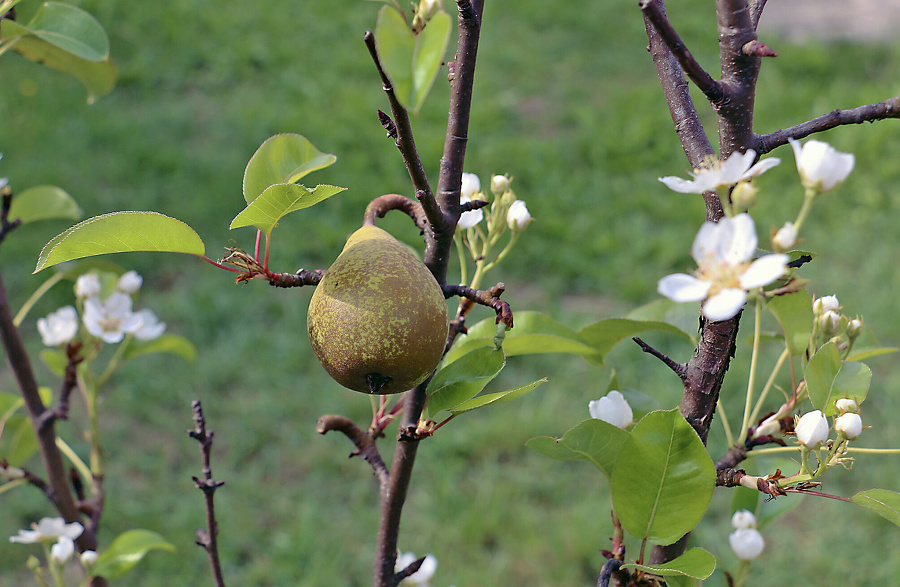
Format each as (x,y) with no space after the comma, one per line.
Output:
(808,199)
(38,293)
(769,383)
(751,380)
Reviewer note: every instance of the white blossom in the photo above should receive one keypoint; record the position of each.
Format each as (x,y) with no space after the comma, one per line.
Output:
(785,238)
(471,218)
(725,272)
(830,322)
(743,519)
(812,429)
(422,577)
(612,408)
(738,167)
(62,551)
(747,543)
(518,217)
(150,327)
(87,286)
(89,558)
(130,282)
(821,167)
(111,319)
(849,424)
(58,327)
(48,530)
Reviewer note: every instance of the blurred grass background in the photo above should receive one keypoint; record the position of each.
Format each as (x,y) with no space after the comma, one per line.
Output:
(566,101)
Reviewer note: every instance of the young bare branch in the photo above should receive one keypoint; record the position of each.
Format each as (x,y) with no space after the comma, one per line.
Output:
(364,443)
(208,538)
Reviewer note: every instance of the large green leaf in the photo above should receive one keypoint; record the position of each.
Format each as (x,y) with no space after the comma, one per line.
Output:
(462,380)
(593,441)
(284,158)
(695,563)
(126,551)
(684,317)
(794,312)
(496,397)
(167,343)
(428,54)
(883,502)
(43,202)
(606,334)
(121,232)
(663,479)
(533,333)
(68,39)
(277,201)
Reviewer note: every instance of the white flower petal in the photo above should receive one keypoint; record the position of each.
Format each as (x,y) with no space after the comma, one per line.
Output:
(704,246)
(150,327)
(470,186)
(62,551)
(725,304)
(737,239)
(681,287)
(736,167)
(683,186)
(613,409)
(59,327)
(761,167)
(764,271)
(130,282)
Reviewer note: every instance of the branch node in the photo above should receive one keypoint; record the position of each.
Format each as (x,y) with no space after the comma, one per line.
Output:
(756,48)
(489,297)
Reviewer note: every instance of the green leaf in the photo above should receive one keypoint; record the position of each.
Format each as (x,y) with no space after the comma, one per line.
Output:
(71,29)
(396,43)
(606,334)
(496,398)
(862,354)
(695,563)
(279,200)
(55,360)
(823,367)
(18,443)
(43,202)
(881,501)
(829,379)
(534,333)
(284,158)
(462,380)
(127,550)
(68,39)
(684,317)
(167,343)
(121,232)
(794,313)
(594,441)
(668,483)
(428,54)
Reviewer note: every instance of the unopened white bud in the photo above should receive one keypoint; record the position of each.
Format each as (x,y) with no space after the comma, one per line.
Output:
(845,405)
(743,196)
(612,408)
(785,238)
(854,327)
(499,184)
(747,543)
(743,519)
(830,323)
(518,216)
(849,424)
(826,304)
(812,429)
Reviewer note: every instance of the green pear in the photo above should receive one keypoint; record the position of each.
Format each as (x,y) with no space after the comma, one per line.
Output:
(378,318)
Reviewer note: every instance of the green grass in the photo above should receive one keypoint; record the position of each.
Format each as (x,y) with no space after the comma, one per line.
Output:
(566,101)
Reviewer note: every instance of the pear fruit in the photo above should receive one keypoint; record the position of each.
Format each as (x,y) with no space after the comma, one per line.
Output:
(378,318)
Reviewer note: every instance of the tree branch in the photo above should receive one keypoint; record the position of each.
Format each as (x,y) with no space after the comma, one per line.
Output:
(489,297)
(883,110)
(208,538)
(656,15)
(364,443)
(400,130)
(298,279)
(678,368)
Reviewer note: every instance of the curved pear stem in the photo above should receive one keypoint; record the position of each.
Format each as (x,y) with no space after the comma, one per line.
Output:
(381,205)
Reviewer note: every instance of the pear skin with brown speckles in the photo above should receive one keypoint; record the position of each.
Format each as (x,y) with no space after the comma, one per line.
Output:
(378,319)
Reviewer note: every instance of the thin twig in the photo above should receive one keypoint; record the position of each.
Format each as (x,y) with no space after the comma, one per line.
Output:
(489,297)
(657,16)
(207,538)
(678,368)
(364,443)
(400,130)
(883,110)
(5,225)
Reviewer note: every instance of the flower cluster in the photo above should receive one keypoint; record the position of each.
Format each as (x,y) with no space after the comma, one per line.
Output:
(61,535)
(516,212)
(109,318)
(812,427)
